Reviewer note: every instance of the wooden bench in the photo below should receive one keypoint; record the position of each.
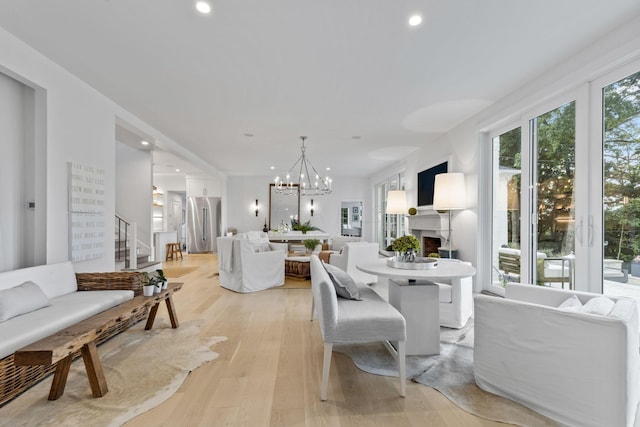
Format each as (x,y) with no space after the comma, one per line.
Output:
(63,346)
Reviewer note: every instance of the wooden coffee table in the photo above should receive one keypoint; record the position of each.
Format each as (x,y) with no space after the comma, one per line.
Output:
(62,346)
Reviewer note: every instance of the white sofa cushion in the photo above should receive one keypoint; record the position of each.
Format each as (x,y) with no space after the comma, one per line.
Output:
(54,279)
(623,309)
(63,312)
(598,305)
(572,303)
(21,299)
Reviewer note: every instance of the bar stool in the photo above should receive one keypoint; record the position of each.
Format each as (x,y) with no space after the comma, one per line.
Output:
(173,249)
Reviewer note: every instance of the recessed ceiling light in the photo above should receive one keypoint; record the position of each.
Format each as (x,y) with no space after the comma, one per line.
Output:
(177,170)
(144,143)
(203,7)
(272,167)
(415,20)
(328,169)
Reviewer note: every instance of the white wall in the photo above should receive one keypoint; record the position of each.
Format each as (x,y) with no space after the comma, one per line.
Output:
(170,182)
(242,192)
(80,127)
(134,189)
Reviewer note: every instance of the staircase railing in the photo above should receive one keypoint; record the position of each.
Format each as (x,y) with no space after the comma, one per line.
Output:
(127,231)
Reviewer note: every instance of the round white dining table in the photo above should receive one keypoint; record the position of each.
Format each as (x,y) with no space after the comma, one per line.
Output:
(416,294)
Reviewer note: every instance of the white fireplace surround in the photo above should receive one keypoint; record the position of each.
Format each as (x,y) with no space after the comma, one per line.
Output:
(430,223)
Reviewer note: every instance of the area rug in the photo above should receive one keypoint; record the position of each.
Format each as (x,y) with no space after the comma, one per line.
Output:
(451,373)
(142,369)
(173,272)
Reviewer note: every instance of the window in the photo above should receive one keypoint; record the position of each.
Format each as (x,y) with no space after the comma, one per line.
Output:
(389,227)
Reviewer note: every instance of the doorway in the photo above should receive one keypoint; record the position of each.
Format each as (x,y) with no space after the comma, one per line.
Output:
(351,219)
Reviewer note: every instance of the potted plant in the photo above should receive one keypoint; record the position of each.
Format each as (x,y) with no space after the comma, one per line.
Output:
(304,227)
(148,289)
(405,248)
(164,281)
(311,244)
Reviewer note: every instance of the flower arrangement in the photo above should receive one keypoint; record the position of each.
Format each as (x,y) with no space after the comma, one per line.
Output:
(406,248)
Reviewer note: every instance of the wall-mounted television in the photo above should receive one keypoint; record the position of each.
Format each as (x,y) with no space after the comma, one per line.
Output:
(426,180)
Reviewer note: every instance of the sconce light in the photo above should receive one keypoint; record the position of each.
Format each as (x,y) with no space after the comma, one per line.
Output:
(257,207)
(311,207)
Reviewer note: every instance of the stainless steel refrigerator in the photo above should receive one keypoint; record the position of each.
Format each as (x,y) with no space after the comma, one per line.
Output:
(203,224)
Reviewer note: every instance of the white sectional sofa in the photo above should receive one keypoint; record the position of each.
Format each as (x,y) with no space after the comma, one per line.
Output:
(61,303)
(570,364)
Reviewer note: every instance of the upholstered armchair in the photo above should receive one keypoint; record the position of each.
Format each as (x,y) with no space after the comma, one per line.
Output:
(250,265)
(354,253)
(575,365)
(337,242)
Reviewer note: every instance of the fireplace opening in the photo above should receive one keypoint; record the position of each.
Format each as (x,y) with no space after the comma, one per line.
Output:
(430,245)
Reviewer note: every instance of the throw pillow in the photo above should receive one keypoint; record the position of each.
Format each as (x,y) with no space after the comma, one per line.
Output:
(21,299)
(598,305)
(571,304)
(342,282)
(260,247)
(623,309)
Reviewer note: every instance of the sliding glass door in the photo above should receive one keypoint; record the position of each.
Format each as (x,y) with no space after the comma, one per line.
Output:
(553,148)
(533,200)
(620,100)
(565,189)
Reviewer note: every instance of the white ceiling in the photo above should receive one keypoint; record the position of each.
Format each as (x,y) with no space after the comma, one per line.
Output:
(332,70)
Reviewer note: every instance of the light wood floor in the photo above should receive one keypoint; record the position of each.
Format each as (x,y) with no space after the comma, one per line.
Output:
(268,371)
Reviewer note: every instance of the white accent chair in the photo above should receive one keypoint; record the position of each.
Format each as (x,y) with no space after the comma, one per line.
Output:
(348,321)
(337,243)
(354,253)
(456,302)
(250,265)
(574,367)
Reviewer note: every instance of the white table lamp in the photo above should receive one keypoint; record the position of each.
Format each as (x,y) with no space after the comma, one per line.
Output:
(449,194)
(397,202)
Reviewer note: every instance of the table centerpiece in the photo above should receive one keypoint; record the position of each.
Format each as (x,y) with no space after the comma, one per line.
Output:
(405,249)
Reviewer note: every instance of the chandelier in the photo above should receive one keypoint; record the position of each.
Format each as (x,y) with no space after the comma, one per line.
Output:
(303,178)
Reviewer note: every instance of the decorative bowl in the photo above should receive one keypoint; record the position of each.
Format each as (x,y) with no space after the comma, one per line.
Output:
(421,263)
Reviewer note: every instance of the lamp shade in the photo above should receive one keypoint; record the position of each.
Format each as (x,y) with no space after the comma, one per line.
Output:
(396,202)
(449,192)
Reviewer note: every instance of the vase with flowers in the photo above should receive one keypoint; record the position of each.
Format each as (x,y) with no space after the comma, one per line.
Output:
(406,248)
